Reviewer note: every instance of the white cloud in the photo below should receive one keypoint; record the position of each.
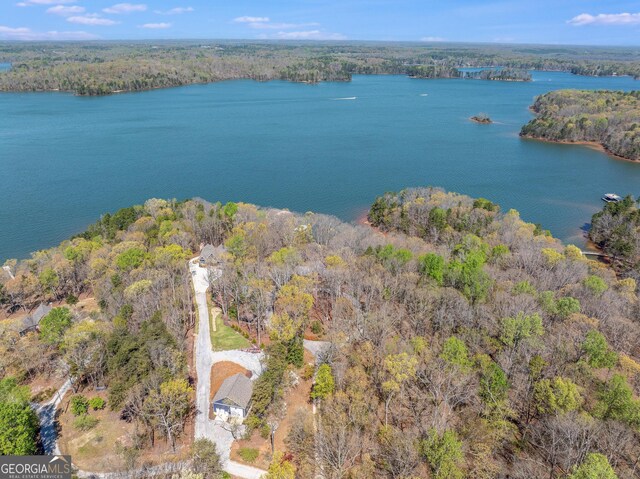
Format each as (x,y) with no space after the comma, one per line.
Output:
(251,19)
(119,8)
(29,3)
(156,26)
(91,19)
(605,19)
(432,39)
(280,26)
(265,23)
(65,11)
(175,11)
(309,35)
(13,31)
(26,34)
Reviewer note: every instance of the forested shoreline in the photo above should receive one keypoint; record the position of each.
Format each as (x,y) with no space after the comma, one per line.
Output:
(95,68)
(464,341)
(608,118)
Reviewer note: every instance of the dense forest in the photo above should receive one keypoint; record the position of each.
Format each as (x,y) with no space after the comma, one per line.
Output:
(99,68)
(610,118)
(464,342)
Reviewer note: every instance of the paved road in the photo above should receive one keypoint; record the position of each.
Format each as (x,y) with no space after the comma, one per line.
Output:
(205,358)
(317,348)
(47,414)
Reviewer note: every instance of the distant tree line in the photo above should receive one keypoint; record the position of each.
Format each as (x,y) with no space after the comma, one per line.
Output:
(104,68)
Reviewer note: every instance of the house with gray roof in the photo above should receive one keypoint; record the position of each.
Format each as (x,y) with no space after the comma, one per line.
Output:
(211,254)
(233,399)
(31,322)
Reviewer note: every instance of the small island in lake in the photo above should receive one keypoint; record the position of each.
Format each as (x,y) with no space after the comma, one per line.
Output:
(606,119)
(481,118)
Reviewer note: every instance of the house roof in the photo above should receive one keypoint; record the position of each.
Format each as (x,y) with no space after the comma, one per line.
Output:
(209,251)
(237,389)
(32,320)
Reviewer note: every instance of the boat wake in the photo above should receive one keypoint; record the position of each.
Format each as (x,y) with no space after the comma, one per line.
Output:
(424,94)
(345,98)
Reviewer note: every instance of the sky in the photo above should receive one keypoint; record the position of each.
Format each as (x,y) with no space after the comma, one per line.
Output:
(576,22)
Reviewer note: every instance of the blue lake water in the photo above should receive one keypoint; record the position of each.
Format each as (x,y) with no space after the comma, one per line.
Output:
(64,160)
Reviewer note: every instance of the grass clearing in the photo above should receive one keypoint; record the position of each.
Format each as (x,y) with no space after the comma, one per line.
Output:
(225,338)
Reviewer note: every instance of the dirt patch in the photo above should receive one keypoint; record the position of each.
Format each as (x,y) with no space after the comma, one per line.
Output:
(96,450)
(86,305)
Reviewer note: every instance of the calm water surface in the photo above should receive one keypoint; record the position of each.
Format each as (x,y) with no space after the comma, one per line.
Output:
(64,160)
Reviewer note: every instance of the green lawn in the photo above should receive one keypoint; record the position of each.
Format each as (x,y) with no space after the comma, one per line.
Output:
(225,338)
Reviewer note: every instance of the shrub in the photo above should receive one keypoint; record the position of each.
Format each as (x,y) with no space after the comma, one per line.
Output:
(307,372)
(85,422)
(97,403)
(79,405)
(252,422)
(316,327)
(265,431)
(71,300)
(248,454)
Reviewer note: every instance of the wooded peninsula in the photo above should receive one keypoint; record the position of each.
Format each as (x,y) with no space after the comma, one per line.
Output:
(101,68)
(608,118)
(461,341)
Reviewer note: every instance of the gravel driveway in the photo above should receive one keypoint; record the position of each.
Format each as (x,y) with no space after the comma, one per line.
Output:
(205,359)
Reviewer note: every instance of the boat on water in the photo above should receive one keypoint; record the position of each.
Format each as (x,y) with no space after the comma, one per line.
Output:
(611,198)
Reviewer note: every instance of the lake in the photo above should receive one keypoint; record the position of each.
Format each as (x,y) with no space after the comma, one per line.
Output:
(65,160)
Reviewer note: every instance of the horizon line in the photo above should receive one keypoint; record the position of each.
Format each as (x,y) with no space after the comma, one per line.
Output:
(301,40)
